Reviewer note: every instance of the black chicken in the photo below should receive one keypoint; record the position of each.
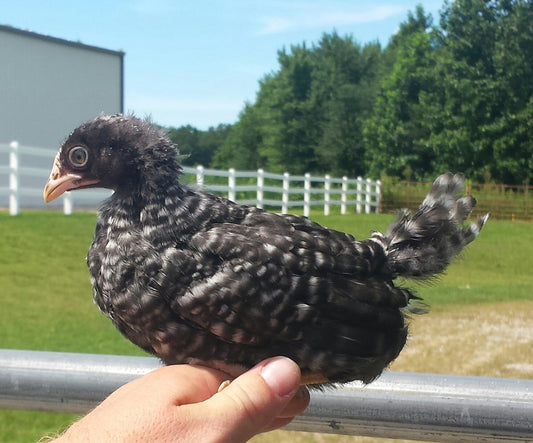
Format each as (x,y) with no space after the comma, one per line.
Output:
(195,278)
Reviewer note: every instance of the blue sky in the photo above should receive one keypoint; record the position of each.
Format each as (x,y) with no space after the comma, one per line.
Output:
(198,62)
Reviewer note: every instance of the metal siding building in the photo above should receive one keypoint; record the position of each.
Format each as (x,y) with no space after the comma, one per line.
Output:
(48,86)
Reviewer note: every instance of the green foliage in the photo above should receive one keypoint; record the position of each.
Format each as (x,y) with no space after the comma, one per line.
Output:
(198,147)
(395,135)
(240,148)
(308,115)
(348,90)
(479,95)
(456,96)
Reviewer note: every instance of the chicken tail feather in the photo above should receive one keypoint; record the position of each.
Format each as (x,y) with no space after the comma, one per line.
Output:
(423,244)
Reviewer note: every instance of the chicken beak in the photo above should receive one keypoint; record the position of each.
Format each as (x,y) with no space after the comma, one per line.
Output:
(59,183)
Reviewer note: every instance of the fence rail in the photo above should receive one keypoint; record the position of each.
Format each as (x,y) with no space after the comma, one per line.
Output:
(505,202)
(398,405)
(259,188)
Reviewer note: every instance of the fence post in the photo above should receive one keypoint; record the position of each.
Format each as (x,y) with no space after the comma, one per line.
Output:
(67,203)
(359,194)
(343,195)
(200,176)
(260,187)
(327,187)
(13,178)
(307,194)
(368,195)
(231,185)
(378,198)
(285,194)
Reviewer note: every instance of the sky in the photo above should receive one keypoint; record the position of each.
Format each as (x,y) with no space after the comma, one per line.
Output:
(198,62)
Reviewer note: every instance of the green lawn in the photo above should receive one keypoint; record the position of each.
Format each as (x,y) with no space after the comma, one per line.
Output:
(47,303)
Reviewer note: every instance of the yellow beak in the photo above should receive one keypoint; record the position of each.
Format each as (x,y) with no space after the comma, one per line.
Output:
(58,184)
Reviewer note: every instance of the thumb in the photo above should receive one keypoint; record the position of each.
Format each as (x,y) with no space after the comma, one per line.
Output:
(255,401)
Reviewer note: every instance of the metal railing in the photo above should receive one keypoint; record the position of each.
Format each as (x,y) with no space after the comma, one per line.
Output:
(398,405)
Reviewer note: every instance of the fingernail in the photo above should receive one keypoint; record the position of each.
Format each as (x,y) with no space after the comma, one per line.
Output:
(282,375)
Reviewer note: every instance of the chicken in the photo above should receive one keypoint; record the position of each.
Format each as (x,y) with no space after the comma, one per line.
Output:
(194,278)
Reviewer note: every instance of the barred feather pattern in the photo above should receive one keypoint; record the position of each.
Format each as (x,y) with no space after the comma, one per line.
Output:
(194,278)
(240,285)
(425,243)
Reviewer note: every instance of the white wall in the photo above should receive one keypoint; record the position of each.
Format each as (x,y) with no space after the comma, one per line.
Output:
(49,86)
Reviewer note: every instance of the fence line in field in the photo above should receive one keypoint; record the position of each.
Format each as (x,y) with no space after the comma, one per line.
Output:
(504,202)
(430,407)
(259,188)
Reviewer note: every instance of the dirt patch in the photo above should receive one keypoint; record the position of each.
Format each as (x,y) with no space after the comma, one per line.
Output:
(493,340)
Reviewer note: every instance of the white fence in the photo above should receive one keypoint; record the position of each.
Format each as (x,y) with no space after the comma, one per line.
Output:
(259,188)
(430,407)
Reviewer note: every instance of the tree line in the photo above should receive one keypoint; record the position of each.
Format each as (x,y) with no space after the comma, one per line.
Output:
(456,95)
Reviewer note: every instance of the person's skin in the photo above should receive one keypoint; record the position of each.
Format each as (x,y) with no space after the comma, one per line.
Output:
(182,403)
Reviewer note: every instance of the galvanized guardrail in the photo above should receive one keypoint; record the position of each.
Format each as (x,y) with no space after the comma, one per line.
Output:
(399,405)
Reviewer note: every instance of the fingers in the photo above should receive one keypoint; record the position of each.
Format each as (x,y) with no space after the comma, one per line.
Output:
(262,399)
(297,405)
(183,384)
(182,402)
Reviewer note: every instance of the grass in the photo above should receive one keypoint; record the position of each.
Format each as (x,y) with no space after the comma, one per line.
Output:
(47,303)
(493,268)
(46,294)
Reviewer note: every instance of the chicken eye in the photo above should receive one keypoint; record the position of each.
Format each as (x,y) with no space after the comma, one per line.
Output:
(78,156)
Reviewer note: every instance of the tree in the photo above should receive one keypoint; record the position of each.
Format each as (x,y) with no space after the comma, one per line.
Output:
(346,84)
(456,96)
(289,114)
(512,132)
(484,72)
(308,115)
(396,134)
(196,146)
(240,148)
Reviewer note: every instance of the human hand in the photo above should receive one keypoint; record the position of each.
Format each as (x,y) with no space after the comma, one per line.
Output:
(181,403)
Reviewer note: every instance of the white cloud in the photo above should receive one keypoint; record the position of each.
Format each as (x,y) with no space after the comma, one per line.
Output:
(326,15)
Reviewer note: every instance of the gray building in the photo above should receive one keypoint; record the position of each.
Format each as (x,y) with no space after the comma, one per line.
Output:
(48,86)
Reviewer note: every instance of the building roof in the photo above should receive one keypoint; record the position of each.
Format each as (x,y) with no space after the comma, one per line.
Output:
(11,29)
